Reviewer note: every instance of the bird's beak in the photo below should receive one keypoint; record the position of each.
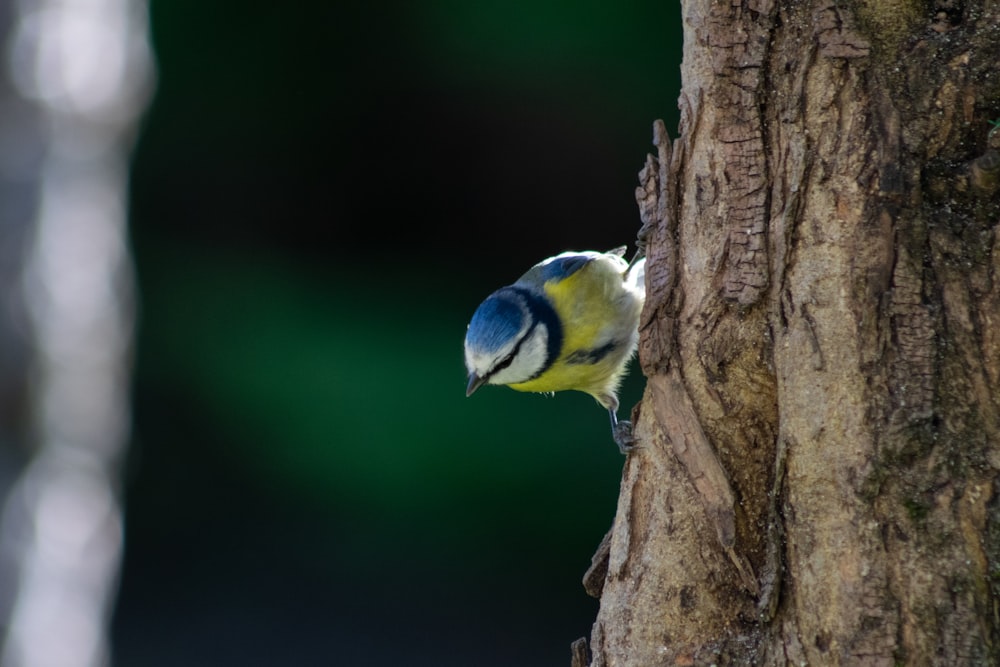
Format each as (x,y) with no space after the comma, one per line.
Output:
(475,382)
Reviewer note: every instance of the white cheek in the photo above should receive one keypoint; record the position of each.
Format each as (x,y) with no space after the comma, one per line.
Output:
(530,359)
(481,363)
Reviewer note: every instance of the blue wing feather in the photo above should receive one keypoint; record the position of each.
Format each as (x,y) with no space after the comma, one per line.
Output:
(563,267)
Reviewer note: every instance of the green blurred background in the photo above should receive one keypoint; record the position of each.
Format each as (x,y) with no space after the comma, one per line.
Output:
(322,193)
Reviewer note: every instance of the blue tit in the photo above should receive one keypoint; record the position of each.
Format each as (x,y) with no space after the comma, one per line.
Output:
(570,322)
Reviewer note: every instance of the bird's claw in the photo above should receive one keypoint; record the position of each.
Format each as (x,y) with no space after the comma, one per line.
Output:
(622,434)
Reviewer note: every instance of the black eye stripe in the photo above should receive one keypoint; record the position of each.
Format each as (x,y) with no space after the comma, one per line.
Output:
(509,359)
(541,313)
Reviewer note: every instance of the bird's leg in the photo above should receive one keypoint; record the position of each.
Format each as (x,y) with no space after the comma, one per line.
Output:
(621,433)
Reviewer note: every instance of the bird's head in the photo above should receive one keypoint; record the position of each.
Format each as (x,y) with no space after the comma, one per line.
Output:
(513,336)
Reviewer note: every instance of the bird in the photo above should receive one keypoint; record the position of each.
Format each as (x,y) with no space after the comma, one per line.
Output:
(571,322)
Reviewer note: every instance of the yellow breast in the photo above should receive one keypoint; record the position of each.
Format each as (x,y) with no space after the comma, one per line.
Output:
(600,320)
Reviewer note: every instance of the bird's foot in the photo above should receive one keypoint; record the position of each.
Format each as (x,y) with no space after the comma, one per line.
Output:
(621,433)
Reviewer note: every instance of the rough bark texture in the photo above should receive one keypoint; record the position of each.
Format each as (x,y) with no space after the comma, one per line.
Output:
(818,477)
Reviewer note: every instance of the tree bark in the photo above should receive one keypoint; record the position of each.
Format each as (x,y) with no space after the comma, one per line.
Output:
(820,432)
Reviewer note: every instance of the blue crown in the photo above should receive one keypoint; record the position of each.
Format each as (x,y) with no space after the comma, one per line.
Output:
(498,319)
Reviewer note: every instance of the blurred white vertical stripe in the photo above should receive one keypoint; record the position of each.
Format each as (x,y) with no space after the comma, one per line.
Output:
(87,67)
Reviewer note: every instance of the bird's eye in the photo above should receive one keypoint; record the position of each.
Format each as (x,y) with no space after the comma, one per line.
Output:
(503,363)
(509,359)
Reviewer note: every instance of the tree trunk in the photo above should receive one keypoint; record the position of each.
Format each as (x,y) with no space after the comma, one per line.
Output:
(76,77)
(820,432)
